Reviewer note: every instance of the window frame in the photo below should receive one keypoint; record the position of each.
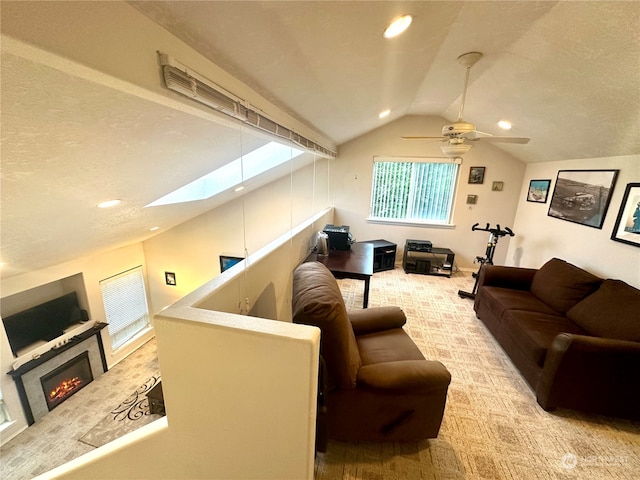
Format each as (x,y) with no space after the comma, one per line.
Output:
(414,221)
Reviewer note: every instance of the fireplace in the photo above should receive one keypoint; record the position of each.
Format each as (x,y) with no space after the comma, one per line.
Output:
(66,380)
(46,381)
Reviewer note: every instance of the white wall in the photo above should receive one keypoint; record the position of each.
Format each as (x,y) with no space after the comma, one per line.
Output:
(540,237)
(352,176)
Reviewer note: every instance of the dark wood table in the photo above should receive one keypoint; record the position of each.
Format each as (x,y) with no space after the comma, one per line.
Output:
(355,263)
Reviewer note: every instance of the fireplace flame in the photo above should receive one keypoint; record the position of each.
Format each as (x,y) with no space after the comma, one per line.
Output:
(65,388)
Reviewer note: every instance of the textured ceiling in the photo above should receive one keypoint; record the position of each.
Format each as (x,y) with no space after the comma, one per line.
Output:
(555,69)
(565,73)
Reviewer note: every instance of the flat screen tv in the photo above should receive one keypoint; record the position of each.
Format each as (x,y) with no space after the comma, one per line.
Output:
(43,322)
(227,262)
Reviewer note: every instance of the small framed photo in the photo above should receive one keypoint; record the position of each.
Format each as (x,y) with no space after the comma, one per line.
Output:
(472,199)
(476,175)
(627,227)
(170,278)
(497,186)
(538,191)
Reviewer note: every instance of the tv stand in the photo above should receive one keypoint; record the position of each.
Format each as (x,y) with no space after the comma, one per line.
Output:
(420,257)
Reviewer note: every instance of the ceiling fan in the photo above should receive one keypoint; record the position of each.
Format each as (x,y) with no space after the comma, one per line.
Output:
(459,134)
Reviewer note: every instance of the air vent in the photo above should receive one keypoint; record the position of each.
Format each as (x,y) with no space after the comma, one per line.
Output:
(222,101)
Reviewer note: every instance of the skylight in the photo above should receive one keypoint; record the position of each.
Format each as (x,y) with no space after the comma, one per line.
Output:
(232,174)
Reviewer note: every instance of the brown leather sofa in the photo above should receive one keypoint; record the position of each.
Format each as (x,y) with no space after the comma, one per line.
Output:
(380,387)
(575,337)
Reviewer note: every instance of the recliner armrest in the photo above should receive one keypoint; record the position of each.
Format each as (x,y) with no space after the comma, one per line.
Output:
(406,376)
(375,319)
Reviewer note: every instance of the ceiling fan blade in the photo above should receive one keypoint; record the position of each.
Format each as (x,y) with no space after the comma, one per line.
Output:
(521,140)
(475,135)
(425,138)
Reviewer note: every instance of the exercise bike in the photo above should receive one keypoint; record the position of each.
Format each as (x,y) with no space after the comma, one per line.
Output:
(494,236)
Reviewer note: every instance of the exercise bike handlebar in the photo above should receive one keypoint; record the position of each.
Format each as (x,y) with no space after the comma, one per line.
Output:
(496,231)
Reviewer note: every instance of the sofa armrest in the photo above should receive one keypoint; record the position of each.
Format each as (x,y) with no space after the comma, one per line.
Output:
(415,376)
(369,320)
(591,374)
(507,277)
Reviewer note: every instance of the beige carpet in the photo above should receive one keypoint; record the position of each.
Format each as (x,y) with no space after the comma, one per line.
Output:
(493,428)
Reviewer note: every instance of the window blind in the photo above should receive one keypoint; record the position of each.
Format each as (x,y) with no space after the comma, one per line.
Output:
(413,189)
(125,305)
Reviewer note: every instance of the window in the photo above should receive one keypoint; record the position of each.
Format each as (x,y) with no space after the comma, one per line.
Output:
(419,190)
(125,305)
(232,174)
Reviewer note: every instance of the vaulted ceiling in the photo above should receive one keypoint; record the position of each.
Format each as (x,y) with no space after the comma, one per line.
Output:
(566,74)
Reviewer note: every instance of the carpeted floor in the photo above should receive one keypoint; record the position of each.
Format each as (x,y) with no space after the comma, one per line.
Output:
(493,428)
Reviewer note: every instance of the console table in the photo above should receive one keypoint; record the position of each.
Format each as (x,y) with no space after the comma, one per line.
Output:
(357,263)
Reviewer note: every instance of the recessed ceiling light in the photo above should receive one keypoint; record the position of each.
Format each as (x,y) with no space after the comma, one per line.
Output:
(398,26)
(239,189)
(504,124)
(110,203)
(153,229)
(384,113)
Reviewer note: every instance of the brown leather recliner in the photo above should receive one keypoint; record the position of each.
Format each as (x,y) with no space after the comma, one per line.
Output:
(380,387)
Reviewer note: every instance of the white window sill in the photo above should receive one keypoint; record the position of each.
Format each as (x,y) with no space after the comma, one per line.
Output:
(5,425)
(411,223)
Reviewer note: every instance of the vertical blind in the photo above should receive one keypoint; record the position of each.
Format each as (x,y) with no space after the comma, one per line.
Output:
(413,190)
(125,305)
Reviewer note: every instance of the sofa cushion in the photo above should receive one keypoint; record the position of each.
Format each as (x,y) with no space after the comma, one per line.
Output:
(613,311)
(498,300)
(317,301)
(561,285)
(533,332)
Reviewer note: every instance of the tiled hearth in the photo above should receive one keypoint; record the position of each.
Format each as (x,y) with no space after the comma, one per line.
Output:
(29,376)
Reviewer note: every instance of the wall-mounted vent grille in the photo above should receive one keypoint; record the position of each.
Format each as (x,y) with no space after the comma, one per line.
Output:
(225,102)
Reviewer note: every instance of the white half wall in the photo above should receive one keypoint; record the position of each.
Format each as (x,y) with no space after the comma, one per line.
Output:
(240,396)
(240,392)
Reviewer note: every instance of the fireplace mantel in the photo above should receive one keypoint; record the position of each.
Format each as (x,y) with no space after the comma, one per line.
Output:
(23,374)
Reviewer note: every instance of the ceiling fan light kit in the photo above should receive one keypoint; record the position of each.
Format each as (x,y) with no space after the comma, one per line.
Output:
(455,150)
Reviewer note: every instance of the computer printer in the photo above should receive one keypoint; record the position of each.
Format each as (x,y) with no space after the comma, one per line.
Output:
(339,237)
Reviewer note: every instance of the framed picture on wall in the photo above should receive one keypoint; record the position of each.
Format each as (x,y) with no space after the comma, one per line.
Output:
(627,227)
(538,191)
(476,175)
(170,278)
(582,196)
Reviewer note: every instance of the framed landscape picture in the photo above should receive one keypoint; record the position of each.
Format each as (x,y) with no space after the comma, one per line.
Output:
(582,196)
(538,191)
(627,227)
